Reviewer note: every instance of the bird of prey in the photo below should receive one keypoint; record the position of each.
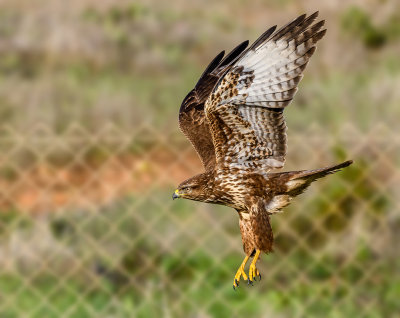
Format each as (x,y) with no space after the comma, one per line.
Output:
(234,119)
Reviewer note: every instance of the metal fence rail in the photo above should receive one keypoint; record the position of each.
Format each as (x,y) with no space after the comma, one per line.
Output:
(88,229)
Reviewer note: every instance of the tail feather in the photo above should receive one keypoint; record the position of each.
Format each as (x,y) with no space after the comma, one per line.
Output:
(292,183)
(298,181)
(315,174)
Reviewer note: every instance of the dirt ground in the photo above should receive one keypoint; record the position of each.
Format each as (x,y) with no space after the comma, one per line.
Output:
(45,188)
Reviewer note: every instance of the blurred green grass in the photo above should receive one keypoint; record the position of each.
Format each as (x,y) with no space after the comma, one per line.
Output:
(47,298)
(117,265)
(146,59)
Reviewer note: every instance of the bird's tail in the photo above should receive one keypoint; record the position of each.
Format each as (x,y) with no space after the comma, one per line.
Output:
(298,181)
(319,173)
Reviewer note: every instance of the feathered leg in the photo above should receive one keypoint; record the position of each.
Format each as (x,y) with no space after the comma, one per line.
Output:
(262,236)
(248,245)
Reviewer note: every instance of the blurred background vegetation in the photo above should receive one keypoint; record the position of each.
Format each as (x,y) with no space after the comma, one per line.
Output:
(90,153)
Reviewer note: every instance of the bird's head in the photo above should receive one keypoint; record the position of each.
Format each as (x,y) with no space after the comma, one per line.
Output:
(192,189)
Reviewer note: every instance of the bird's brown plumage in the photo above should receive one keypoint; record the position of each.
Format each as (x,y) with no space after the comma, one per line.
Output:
(234,119)
(192,119)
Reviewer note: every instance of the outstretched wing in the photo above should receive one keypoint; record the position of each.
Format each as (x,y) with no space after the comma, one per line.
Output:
(192,119)
(245,110)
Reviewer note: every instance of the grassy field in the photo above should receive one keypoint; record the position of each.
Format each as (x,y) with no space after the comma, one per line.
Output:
(150,258)
(51,296)
(133,63)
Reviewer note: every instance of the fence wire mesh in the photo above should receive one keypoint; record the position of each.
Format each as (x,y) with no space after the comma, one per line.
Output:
(88,229)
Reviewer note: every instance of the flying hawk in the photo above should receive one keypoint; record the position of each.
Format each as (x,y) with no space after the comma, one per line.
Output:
(234,119)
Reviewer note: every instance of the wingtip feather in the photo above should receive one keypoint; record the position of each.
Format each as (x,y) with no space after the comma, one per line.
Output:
(214,63)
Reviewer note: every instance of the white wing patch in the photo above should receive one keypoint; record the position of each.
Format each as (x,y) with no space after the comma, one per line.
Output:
(245,108)
(275,71)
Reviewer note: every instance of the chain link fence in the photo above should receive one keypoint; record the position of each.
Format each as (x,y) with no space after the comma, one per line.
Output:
(88,229)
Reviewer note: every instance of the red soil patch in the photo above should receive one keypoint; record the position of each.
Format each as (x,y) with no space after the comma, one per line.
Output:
(45,188)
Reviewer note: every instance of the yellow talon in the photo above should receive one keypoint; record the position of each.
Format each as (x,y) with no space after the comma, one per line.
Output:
(240,272)
(253,271)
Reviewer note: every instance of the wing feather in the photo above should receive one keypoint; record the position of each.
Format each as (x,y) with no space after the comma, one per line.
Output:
(245,110)
(192,119)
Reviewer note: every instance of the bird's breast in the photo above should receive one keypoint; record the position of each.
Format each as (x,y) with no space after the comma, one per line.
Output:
(232,188)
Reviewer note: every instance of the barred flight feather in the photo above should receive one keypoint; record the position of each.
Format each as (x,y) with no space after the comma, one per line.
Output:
(245,108)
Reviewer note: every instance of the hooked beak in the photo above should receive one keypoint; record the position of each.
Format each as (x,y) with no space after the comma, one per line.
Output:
(175,195)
